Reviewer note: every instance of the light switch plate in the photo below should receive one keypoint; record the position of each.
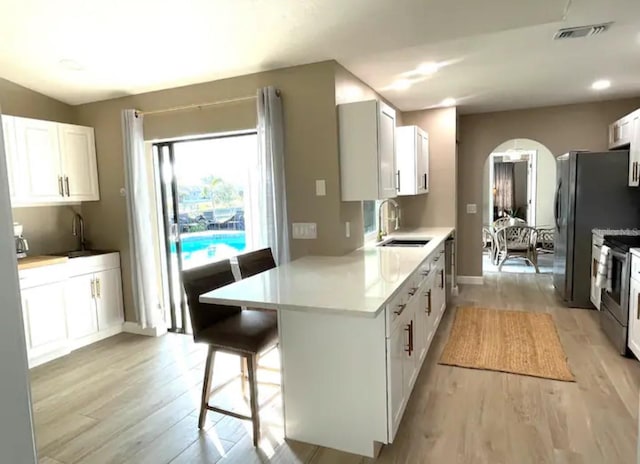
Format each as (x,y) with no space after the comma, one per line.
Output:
(321,188)
(472,208)
(304,230)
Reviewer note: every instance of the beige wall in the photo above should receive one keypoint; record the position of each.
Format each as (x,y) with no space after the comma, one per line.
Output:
(560,128)
(438,207)
(311,151)
(47,228)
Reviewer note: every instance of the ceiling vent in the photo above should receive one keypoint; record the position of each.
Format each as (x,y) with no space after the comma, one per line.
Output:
(581,31)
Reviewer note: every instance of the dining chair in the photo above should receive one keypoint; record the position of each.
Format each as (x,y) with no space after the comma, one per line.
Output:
(255,262)
(244,332)
(518,241)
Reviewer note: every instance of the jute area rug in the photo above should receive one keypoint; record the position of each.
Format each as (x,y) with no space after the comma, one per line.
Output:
(507,341)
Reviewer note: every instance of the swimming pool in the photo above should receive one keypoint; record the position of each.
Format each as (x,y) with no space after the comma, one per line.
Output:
(201,247)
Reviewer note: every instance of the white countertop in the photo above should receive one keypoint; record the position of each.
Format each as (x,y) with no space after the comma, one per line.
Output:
(635,252)
(357,284)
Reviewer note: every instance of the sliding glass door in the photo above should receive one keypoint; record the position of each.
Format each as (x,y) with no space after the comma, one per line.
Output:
(203,185)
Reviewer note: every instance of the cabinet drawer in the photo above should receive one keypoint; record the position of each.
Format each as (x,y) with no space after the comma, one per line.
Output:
(43,275)
(635,268)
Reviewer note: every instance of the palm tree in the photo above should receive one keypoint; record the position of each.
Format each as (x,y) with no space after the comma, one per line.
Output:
(210,185)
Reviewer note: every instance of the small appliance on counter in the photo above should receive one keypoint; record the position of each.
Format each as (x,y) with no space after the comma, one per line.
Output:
(614,311)
(22,246)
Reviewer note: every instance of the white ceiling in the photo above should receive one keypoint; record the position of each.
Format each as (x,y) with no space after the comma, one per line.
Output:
(500,52)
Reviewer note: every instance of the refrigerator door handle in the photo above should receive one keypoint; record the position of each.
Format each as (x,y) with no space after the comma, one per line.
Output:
(556,207)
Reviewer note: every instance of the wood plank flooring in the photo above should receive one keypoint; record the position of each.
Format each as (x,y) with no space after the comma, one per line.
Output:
(132,399)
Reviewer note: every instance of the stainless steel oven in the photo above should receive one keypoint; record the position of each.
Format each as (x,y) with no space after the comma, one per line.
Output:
(614,314)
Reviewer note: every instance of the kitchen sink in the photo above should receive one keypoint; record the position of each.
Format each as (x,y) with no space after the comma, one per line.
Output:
(403,243)
(81,253)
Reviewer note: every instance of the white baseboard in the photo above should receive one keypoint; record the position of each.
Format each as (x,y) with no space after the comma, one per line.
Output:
(470,280)
(135,328)
(96,337)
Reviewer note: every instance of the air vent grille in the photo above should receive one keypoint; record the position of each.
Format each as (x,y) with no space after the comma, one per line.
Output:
(581,31)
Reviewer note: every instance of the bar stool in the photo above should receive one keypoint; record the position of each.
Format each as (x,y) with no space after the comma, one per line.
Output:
(255,262)
(245,333)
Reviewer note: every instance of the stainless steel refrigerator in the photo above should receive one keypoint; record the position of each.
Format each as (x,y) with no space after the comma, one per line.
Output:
(591,192)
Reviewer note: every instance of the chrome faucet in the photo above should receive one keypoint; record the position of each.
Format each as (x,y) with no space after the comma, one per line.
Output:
(397,209)
(77,229)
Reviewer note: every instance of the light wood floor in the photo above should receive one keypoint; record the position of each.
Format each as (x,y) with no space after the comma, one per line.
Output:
(133,399)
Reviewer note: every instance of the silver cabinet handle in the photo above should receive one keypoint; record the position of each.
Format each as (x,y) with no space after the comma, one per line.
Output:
(99,288)
(66,183)
(93,288)
(413,290)
(60,186)
(398,186)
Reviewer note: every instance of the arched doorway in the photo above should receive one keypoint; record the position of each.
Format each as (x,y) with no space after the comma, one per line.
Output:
(517,190)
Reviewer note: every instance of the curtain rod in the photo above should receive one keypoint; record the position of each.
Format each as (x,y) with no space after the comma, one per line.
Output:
(201,105)
(197,105)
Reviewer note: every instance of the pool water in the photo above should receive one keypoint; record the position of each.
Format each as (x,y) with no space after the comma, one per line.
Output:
(201,247)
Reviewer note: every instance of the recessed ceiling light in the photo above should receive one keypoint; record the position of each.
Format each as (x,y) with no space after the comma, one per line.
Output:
(601,84)
(448,102)
(428,68)
(71,65)
(401,84)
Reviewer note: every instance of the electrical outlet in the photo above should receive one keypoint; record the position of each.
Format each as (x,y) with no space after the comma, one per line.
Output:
(347,229)
(472,208)
(321,188)
(304,230)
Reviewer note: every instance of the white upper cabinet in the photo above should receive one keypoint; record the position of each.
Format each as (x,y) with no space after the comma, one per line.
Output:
(78,150)
(620,132)
(412,154)
(367,151)
(50,162)
(39,163)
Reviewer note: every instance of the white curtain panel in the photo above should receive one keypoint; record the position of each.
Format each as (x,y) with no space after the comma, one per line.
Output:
(268,223)
(140,220)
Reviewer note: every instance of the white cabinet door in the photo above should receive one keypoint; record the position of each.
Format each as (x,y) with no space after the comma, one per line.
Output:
(421,332)
(82,317)
(396,346)
(412,159)
(78,149)
(109,299)
(634,318)
(423,162)
(634,151)
(44,314)
(388,185)
(38,148)
(410,362)
(439,291)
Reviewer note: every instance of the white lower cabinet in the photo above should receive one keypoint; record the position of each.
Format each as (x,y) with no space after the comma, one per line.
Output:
(634,309)
(421,305)
(395,378)
(109,299)
(82,317)
(71,305)
(43,309)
